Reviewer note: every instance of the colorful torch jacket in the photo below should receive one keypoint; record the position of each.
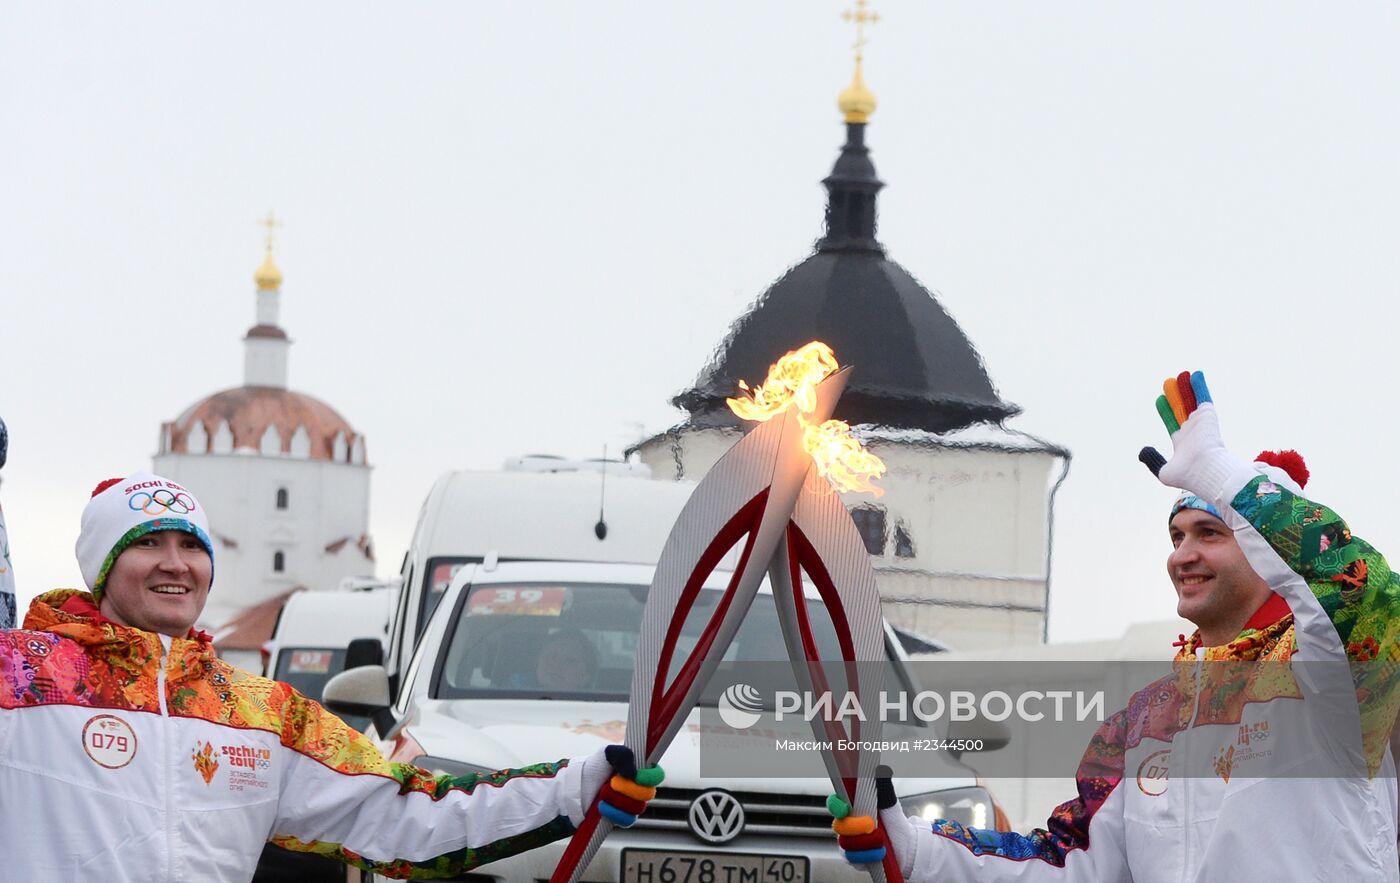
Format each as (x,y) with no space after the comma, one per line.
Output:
(126,755)
(1266,759)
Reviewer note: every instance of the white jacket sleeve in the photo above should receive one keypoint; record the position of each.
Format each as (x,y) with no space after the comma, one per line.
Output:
(342,799)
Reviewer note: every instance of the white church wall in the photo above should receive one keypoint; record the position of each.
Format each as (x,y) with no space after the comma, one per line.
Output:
(325,502)
(968,510)
(222,440)
(344,490)
(267,306)
(300,446)
(265,362)
(270,445)
(688,456)
(196,441)
(964,612)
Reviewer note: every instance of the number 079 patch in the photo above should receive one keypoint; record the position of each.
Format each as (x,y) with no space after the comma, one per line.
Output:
(109,741)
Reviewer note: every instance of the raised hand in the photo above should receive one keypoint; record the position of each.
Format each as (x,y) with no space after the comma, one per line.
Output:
(1200,463)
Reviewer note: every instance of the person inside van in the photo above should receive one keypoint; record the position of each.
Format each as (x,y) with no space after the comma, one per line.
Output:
(567,661)
(132,752)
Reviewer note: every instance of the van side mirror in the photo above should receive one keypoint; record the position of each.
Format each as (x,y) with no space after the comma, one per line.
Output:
(364,651)
(993,735)
(362,691)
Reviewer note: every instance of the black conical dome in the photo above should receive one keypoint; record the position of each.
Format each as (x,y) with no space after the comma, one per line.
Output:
(914,367)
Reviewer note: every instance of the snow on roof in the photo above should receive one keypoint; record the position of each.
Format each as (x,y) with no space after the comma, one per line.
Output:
(978,435)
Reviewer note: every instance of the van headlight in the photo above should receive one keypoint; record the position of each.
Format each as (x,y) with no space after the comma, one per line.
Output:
(442,766)
(971,807)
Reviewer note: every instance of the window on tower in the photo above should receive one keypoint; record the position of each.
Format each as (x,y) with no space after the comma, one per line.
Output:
(281,498)
(870,521)
(903,542)
(279,561)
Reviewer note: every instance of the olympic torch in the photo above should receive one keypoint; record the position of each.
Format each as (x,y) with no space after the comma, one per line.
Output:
(759,498)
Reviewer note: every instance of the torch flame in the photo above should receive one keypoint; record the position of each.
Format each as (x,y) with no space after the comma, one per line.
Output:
(793,380)
(841,458)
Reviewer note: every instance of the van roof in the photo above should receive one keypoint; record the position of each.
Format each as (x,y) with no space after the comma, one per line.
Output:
(549,516)
(333,619)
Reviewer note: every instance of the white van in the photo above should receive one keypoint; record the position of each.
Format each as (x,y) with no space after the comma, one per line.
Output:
(312,641)
(538,508)
(504,566)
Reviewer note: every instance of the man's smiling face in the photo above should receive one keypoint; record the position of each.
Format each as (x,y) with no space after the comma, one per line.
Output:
(159,583)
(1215,587)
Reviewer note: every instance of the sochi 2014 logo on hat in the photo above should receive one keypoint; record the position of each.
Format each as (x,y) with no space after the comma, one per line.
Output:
(165,498)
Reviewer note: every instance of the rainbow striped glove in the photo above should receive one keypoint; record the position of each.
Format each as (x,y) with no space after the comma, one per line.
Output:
(1200,462)
(861,838)
(623,789)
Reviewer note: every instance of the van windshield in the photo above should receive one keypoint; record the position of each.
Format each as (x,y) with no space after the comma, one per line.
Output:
(578,640)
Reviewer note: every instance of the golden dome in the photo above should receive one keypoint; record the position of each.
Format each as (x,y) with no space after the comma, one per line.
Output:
(268,277)
(856,101)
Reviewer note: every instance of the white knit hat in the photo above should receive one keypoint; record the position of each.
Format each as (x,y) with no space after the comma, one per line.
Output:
(123,510)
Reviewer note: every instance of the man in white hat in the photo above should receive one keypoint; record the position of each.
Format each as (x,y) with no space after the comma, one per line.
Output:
(1266,755)
(129,751)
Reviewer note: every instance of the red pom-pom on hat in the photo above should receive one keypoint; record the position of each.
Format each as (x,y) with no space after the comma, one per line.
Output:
(104,485)
(1290,462)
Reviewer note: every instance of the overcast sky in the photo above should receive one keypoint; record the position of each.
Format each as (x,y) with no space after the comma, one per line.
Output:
(515,228)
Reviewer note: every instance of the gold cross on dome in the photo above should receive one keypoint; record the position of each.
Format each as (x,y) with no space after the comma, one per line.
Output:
(270,223)
(861,16)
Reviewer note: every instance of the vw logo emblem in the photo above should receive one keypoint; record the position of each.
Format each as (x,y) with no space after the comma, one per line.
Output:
(716,817)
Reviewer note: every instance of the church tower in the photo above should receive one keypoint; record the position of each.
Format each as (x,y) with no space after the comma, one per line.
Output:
(960,541)
(283,475)
(265,346)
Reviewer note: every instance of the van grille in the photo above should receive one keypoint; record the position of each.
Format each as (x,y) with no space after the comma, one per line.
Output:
(782,815)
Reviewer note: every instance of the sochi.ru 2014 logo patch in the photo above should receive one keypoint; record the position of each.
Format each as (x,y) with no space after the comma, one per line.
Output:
(109,741)
(1225,763)
(206,760)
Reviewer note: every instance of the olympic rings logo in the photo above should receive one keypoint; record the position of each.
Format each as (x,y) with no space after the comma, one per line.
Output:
(160,502)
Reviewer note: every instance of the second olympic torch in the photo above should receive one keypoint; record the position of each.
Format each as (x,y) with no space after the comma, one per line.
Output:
(774,497)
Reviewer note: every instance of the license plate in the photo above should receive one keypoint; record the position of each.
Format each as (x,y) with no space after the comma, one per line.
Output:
(655,866)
